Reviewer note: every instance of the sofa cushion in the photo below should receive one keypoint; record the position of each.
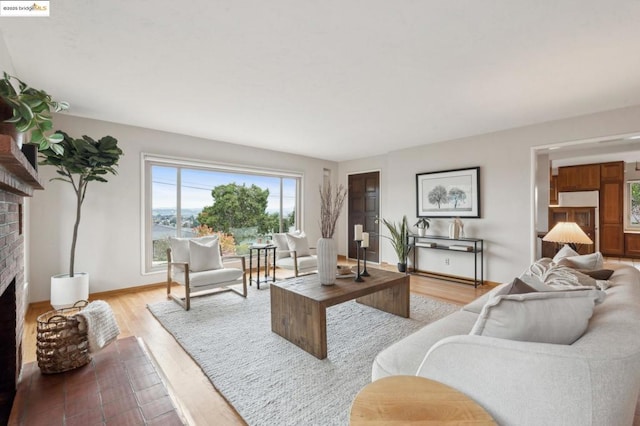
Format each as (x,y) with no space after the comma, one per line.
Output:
(210,278)
(304,263)
(204,256)
(559,317)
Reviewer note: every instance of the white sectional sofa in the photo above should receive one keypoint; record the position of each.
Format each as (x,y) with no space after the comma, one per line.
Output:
(593,381)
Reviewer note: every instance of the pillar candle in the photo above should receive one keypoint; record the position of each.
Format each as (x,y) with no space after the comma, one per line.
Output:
(365,240)
(357,233)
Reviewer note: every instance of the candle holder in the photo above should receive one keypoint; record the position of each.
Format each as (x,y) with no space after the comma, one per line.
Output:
(364,257)
(358,277)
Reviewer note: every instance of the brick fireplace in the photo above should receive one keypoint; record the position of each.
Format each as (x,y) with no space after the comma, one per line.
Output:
(18,179)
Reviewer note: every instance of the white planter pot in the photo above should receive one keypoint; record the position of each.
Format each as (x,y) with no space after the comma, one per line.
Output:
(421,232)
(327,261)
(65,290)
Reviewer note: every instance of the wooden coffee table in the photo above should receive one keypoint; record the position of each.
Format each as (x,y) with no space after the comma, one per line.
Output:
(298,305)
(401,400)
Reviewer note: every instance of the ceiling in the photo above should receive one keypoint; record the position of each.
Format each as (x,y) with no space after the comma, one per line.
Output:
(332,79)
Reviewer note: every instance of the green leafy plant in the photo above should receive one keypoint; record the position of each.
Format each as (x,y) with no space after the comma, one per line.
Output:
(32,112)
(80,162)
(399,237)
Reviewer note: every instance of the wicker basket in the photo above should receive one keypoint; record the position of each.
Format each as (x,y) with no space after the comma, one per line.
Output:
(61,346)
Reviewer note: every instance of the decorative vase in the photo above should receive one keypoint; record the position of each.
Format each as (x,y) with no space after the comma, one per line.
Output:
(327,261)
(454,230)
(66,290)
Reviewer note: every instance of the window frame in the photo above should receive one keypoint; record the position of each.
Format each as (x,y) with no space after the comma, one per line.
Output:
(149,160)
(628,226)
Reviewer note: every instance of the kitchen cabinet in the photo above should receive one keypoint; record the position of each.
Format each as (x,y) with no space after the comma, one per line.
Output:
(611,209)
(579,178)
(553,190)
(632,245)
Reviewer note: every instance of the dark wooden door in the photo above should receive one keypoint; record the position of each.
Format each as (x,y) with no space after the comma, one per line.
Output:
(364,208)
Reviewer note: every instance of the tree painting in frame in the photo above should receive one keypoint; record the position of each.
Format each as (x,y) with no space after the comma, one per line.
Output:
(449,193)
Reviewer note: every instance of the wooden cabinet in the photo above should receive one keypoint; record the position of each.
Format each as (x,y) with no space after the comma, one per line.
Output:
(579,178)
(585,217)
(632,245)
(611,209)
(612,172)
(553,190)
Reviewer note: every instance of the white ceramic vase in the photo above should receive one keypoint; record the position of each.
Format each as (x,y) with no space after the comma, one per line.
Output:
(66,290)
(327,261)
(421,232)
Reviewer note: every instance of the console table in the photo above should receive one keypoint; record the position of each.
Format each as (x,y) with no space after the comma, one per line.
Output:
(474,246)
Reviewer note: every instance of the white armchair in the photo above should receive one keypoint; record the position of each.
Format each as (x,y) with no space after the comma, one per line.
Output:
(293,253)
(197,264)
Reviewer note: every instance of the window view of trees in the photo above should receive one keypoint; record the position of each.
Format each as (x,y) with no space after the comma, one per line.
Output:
(241,208)
(634,203)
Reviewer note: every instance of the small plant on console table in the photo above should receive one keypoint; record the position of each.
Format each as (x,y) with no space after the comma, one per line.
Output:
(399,240)
(422,224)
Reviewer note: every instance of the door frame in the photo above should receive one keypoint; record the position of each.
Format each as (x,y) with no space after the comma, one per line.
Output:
(346,219)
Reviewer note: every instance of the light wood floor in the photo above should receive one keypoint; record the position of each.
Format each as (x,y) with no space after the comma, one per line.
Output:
(199,401)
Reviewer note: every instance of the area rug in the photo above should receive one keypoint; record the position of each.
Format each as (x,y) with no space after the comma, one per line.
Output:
(269,380)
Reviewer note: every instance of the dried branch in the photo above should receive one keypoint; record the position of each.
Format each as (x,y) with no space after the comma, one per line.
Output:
(330,207)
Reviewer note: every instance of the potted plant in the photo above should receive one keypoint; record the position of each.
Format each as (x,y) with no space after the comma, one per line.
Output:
(79,162)
(28,110)
(399,240)
(422,224)
(331,203)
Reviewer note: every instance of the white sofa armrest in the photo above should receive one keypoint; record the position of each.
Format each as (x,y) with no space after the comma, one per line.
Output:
(524,383)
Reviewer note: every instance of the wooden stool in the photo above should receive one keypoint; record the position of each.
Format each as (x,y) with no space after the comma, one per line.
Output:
(412,399)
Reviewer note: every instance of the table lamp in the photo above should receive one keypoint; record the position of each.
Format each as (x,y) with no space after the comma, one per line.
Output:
(567,233)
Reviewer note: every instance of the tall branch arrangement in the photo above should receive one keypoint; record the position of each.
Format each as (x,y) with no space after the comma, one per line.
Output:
(331,203)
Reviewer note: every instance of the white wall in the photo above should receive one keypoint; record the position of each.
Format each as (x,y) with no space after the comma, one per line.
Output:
(505,185)
(109,242)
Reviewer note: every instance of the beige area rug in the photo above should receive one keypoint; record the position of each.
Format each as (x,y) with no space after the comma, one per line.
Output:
(273,382)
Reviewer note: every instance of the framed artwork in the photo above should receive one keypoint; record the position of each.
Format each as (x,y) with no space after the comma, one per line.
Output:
(449,193)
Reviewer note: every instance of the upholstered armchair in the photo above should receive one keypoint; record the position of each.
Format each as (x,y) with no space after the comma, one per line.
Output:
(293,253)
(197,264)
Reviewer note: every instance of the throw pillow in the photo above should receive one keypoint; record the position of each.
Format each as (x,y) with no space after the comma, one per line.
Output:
(204,256)
(180,247)
(565,251)
(517,286)
(282,246)
(598,274)
(559,317)
(299,244)
(586,261)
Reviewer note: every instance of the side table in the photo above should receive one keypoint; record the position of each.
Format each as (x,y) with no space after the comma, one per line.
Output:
(413,400)
(266,249)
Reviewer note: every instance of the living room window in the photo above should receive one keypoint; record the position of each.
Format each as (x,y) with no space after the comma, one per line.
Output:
(190,199)
(632,197)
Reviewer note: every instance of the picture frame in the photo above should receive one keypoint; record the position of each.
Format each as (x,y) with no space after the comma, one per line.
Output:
(448,193)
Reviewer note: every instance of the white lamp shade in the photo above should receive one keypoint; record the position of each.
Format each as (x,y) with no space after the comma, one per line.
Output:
(567,232)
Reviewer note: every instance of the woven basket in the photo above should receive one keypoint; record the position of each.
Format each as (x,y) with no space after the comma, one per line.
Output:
(61,346)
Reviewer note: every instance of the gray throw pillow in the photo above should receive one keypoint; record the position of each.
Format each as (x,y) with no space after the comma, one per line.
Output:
(598,274)
(559,317)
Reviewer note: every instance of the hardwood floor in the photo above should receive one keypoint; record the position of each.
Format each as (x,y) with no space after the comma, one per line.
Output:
(198,400)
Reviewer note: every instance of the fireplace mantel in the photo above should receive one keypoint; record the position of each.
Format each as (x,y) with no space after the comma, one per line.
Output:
(20,177)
